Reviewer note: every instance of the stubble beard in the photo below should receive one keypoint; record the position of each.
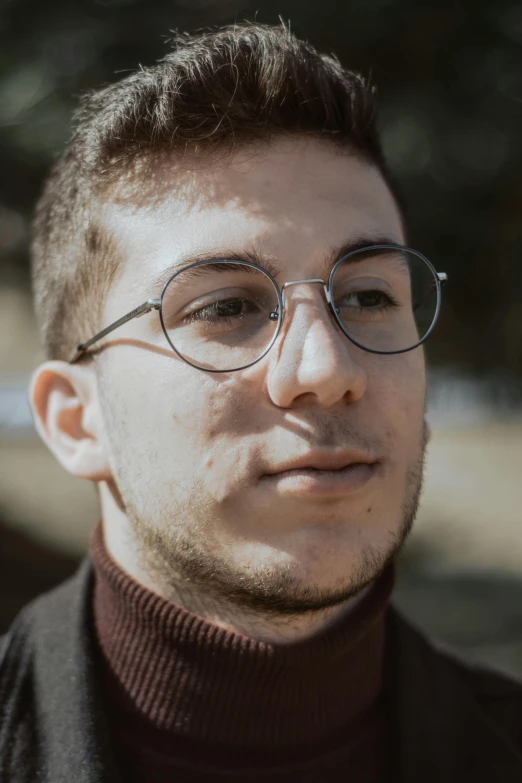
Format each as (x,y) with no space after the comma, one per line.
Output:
(179,559)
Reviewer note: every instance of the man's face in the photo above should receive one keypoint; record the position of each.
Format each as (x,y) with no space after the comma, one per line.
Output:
(200,461)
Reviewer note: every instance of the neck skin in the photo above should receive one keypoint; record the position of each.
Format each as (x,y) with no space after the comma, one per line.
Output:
(276,629)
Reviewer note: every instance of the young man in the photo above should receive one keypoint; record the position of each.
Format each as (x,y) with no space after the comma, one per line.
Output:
(234,328)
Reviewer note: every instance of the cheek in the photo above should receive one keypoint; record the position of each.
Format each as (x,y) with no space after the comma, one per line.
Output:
(197,407)
(397,389)
(158,402)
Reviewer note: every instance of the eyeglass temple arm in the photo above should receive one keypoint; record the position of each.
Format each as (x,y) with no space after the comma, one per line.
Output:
(146,307)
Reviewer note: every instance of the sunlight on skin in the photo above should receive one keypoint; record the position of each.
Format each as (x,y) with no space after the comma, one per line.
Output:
(182,456)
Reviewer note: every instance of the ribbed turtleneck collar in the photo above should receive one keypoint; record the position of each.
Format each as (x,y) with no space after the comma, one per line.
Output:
(185,675)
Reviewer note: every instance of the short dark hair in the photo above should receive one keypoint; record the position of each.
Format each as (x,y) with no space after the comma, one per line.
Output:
(213,93)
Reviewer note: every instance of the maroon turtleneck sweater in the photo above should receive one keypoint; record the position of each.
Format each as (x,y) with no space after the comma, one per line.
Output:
(190,702)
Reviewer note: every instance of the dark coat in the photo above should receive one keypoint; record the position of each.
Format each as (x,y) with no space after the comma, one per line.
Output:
(451,722)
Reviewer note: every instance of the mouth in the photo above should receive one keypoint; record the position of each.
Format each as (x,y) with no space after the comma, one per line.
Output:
(323,475)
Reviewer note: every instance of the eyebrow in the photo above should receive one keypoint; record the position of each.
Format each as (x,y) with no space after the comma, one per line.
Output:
(268,263)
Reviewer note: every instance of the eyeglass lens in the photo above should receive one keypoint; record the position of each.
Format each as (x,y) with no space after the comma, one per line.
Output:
(385,299)
(216,315)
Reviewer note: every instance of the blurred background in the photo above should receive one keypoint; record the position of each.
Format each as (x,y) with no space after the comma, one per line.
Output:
(450,84)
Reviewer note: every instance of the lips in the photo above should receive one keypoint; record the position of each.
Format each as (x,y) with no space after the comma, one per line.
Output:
(309,483)
(324,461)
(322,475)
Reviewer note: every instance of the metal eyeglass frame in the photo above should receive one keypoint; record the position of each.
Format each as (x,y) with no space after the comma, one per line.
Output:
(156,304)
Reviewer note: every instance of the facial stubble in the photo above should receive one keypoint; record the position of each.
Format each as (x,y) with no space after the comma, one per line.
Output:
(179,558)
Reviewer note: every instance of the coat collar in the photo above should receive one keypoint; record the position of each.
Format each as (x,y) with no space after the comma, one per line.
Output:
(73,725)
(441,731)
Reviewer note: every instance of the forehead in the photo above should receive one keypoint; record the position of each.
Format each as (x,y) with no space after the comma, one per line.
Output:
(290,202)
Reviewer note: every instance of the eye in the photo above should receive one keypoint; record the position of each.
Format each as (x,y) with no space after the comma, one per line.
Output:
(368,300)
(232,307)
(223,309)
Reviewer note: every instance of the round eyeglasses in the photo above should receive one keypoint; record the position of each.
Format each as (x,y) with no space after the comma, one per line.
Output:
(224,315)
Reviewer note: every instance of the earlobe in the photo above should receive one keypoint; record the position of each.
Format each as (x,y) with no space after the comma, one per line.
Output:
(66,415)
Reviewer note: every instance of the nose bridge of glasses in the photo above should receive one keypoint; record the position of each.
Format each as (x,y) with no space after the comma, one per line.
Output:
(307,280)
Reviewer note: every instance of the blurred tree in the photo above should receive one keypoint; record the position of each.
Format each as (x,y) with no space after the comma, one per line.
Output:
(450,83)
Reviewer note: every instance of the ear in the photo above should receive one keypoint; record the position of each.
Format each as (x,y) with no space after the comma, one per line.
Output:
(67,416)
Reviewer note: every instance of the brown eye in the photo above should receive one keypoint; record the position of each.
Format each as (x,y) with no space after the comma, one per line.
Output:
(222,309)
(232,307)
(367,300)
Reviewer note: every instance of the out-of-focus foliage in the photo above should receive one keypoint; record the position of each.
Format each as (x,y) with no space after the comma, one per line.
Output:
(450,84)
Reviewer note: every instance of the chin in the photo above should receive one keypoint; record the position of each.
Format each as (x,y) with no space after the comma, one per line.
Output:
(349,557)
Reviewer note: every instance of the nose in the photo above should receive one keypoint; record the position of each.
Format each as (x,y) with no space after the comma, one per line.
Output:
(312,360)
